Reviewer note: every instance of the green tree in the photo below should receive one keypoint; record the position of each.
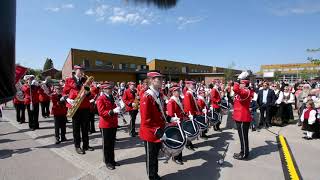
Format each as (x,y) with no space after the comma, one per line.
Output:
(48,64)
(229,73)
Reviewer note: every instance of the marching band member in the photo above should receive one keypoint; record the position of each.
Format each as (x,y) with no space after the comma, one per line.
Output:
(175,113)
(108,123)
(18,101)
(203,108)
(215,99)
(143,88)
(95,90)
(128,98)
(59,111)
(81,118)
(153,120)
(190,105)
(241,113)
(31,100)
(44,97)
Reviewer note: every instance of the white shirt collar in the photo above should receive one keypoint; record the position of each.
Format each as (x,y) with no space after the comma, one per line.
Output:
(155,91)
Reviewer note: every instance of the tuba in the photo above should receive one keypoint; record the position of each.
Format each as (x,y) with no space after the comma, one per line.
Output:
(78,100)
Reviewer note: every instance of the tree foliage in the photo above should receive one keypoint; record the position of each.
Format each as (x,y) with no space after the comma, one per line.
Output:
(48,64)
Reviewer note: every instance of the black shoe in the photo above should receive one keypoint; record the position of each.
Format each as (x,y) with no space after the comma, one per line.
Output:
(240,156)
(116,164)
(93,131)
(177,161)
(110,166)
(58,142)
(253,129)
(64,139)
(80,151)
(190,148)
(88,148)
(116,139)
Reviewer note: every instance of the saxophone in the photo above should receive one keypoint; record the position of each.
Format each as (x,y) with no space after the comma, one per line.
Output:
(78,100)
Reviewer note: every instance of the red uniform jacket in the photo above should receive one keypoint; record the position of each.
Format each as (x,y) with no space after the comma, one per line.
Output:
(215,98)
(94,95)
(58,108)
(174,108)
(242,101)
(151,118)
(27,97)
(70,89)
(107,119)
(128,98)
(16,101)
(141,92)
(189,104)
(139,88)
(43,97)
(201,104)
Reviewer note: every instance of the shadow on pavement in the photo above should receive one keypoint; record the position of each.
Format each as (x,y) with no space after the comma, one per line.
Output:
(6,153)
(271,146)
(210,169)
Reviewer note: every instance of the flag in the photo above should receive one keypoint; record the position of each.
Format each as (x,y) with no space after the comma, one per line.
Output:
(20,72)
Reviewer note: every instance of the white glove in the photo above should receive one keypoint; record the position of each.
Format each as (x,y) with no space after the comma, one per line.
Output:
(116,110)
(190,117)
(204,111)
(133,104)
(174,119)
(211,108)
(167,101)
(70,101)
(34,82)
(62,99)
(91,100)
(243,75)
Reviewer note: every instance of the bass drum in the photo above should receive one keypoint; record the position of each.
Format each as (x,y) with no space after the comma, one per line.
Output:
(201,121)
(191,129)
(173,141)
(214,118)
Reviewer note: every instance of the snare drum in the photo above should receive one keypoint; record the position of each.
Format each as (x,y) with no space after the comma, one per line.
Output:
(173,140)
(201,121)
(214,118)
(191,129)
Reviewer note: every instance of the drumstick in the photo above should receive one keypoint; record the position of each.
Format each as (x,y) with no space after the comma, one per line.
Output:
(205,115)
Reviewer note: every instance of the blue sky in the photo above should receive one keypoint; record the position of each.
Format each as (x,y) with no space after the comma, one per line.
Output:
(247,33)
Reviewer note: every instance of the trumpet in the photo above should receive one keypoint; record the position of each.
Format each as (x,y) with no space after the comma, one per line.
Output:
(119,103)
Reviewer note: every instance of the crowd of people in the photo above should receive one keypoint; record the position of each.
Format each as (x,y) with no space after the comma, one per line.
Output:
(164,103)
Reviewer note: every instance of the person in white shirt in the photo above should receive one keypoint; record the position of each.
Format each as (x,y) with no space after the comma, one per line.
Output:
(285,100)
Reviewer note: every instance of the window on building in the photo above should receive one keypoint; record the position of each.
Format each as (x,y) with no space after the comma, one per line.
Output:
(133,66)
(184,69)
(86,63)
(120,66)
(108,65)
(99,63)
(125,66)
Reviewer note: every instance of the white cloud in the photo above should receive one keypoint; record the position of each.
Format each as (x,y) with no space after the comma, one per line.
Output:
(59,8)
(119,15)
(295,7)
(67,6)
(53,9)
(89,12)
(184,21)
